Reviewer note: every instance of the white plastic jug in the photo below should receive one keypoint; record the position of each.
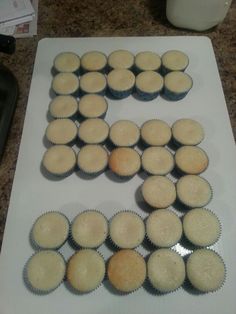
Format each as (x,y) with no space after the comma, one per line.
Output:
(198,15)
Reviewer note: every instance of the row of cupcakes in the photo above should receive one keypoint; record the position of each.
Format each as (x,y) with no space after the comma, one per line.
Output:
(171,60)
(126,271)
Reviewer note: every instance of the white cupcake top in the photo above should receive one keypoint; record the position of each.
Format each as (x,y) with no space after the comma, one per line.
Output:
(92,106)
(93,131)
(121,79)
(149,82)
(175,60)
(156,132)
(61,131)
(178,82)
(121,59)
(148,61)
(93,61)
(65,83)
(187,132)
(63,106)
(93,82)
(157,160)
(124,133)
(92,158)
(67,62)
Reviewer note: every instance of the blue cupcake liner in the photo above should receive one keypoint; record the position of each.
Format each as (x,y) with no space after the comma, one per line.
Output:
(120,94)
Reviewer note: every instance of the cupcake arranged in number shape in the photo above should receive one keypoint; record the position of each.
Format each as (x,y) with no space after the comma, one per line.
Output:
(63,107)
(92,106)
(155,133)
(124,133)
(121,59)
(65,84)
(148,85)
(147,61)
(93,83)
(187,132)
(61,131)
(94,61)
(67,62)
(174,60)
(93,131)
(120,83)
(177,85)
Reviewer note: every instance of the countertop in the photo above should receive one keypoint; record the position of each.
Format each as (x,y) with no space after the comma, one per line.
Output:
(77,18)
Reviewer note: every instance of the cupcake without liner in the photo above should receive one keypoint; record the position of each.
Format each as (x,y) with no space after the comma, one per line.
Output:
(148,85)
(44,271)
(193,191)
(174,60)
(126,271)
(124,162)
(120,83)
(205,270)
(93,61)
(124,133)
(93,131)
(92,106)
(63,107)
(92,159)
(59,160)
(126,230)
(93,83)
(67,62)
(177,85)
(121,59)
(166,270)
(155,133)
(187,132)
(65,84)
(85,270)
(50,230)
(201,227)
(89,229)
(158,191)
(157,161)
(147,61)
(164,228)
(191,160)
(61,131)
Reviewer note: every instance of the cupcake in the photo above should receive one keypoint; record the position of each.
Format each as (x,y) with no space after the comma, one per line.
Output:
(127,230)
(155,133)
(126,270)
(147,61)
(148,85)
(205,270)
(187,132)
(121,59)
(124,133)
(120,83)
(174,60)
(124,161)
(93,83)
(63,107)
(89,229)
(201,227)
(163,228)
(93,106)
(44,271)
(85,270)
(65,84)
(191,160)
(50,230)
(59,160)
(193,191)
(93,131)
(61,131)
(67,62)
(92,159)
(157,161)
(158,191)
(166,270)
(177,85)
(93,61)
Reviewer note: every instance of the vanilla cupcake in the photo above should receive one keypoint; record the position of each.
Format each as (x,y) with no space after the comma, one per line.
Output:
(124,133)
(187,132)
(85,270)
(126,270)
(120,83)
(148,85)
(177,85)
(174,60)
(158,191)
(59,160)
(89,229)
(92,106)
(205,270)
(121,59)
(93,131)
(124,161)
(92,159)
(65,84)
(201,227)
(50,230)
(166,270)
(93,61)
(44,271)
(127,230)
(63,107)
(61,131)
(93,83)
(193,191)
(147,61)
(67,62)
(157,161)
(163,228)
(155,133)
